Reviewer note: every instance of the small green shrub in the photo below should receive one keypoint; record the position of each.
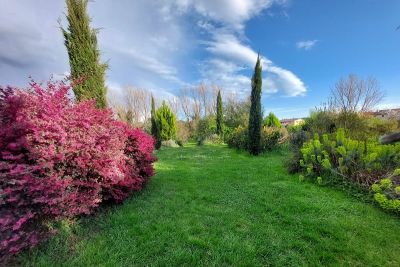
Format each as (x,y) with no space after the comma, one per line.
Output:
(272,121)
(320,122)
(387,192)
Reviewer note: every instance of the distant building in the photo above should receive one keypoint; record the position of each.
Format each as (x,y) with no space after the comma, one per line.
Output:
(387,113)
(294,122)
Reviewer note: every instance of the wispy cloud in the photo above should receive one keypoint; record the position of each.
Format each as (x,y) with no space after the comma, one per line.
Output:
(230,56)
(154,65)
(306,45)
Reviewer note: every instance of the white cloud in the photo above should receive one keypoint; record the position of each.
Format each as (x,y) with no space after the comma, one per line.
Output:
(233,13)
(231,57)
(286,81)
(306,45)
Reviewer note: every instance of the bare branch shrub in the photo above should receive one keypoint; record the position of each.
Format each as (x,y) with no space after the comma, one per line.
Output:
(356,95)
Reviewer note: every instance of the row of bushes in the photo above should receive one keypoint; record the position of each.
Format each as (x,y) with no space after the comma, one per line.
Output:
(270,138)
(62,159)
(357,125)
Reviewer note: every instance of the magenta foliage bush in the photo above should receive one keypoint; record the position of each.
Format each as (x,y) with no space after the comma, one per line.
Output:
(61,159)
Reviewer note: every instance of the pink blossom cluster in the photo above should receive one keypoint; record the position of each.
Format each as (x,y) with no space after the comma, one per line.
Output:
(62,159)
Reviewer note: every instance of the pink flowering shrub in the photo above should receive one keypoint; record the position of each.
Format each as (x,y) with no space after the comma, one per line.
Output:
(62,159)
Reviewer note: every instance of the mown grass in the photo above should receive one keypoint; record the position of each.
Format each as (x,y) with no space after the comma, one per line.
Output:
(212,206)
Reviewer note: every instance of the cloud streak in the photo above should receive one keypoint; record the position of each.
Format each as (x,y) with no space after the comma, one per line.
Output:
(306,45)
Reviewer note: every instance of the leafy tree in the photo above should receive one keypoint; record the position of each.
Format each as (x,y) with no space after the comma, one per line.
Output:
(166,123)
(220,115)
(236,113)
(84,56)
(255,117)
(272,121)
(205,128)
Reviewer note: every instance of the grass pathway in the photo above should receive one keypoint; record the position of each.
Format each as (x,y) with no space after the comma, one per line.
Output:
(212,206)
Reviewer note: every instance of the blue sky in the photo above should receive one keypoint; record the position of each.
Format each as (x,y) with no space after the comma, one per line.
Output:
(164,45)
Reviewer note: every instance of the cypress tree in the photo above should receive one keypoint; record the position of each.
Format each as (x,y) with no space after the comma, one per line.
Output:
(84,56)
(154,129)
(153,119)
(255,117)
(219,113)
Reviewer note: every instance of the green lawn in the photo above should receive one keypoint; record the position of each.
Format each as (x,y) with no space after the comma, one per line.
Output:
(213,206)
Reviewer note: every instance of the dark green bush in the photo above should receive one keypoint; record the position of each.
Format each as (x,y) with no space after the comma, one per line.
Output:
(296,140)
(180,143)
(238,138)
(270,138)
(204,129)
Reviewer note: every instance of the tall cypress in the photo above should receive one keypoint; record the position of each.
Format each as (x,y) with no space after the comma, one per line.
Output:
(84,56)
(153,119)
(219,114)
(255,118)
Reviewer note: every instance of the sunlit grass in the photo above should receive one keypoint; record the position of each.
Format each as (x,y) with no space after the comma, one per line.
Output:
(212,206)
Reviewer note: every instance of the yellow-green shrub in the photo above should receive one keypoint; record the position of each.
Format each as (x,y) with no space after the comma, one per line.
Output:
(387,192)
(361,162)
